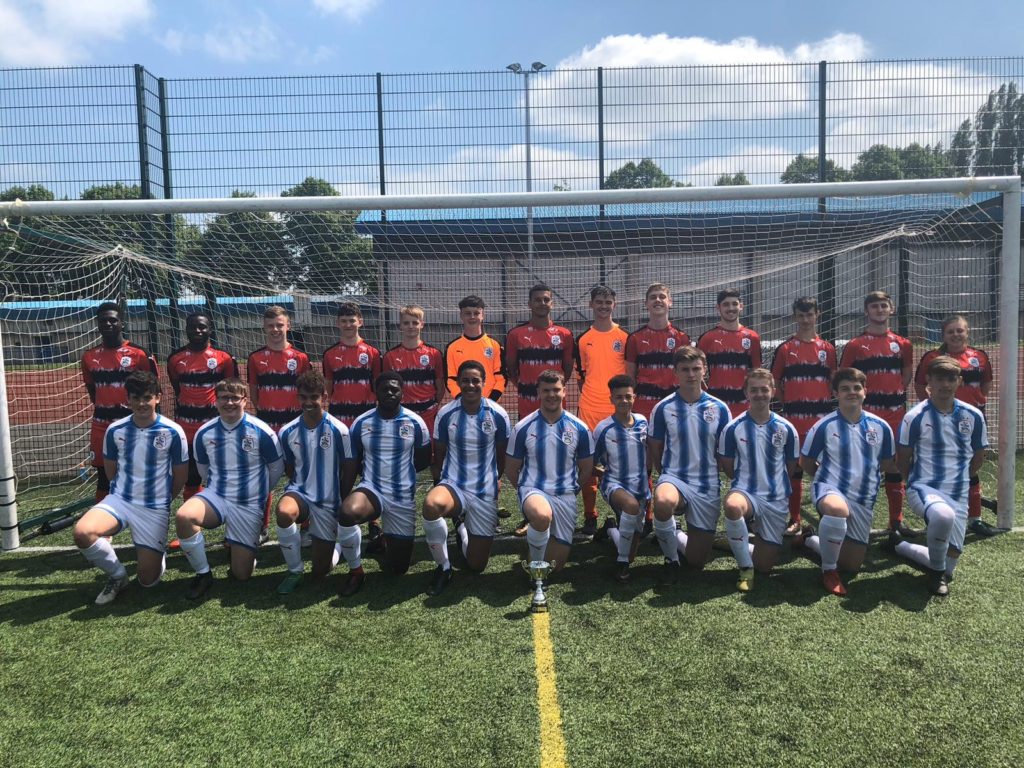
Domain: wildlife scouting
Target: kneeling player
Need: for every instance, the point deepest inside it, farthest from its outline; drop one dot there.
(470, 439)
(621, 446)
(390, 445)
(759, 451)
(845, 451)
(146, 454)
(239, 460)
(316, 450)
(550, 454)
(685, 428)
(942, 446)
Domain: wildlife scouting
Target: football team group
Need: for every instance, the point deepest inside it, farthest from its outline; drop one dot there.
(659, 420)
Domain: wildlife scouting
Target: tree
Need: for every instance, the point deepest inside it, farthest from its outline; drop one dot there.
(643, 175)
(803, 169)
(738, 179)
(927, 162)
(877, 163)
(958, 156)
(992, 144)
(327, 254)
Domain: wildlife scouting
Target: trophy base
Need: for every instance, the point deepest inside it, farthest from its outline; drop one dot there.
(538, 607)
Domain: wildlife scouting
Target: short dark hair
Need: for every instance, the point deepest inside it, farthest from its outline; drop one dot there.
(389, 376)
(275, 310)
(539, 287)
(471, 365)
(806, 304)
(944, 365)
(232, 386)
(551, 376)
(108, 306)
(472, 301)
(874, 296)
(349, 309)
(141, 384)
(195, 315)
(727, 293)
(686, 353)
(601, 290)
(848, 374)
(621, 381)
(311, 381)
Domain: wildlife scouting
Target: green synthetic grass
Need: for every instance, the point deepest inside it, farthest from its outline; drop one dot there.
(695, 674)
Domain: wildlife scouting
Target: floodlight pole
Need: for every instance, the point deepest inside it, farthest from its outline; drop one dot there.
(518, 69)
(8, 490)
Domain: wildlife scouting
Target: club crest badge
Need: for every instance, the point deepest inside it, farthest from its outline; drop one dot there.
(556, 341)
(894, 347)
(965, 427)
(569, 438)
(249, 443)
(424, 360)
(822, 355)
(363, 358)
(779, 438)
(292, 365)
(488, 352)
(871, 436)
(162, 441)
(487, 426)
(325, 441)
(616, 346)
(974, 362)
(745, 343)
(709, 414)
(405, 431)
(670, 343)
(126, 361)
(211, 363)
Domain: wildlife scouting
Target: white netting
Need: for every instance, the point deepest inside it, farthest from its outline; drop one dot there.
(935, 254)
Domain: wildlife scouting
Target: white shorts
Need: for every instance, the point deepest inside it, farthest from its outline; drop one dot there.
(242, 525)
(148, 526)
(607, 489)
(323, 524)
(702, 509)
(921, 497)
(770, 517)
(563, 508)
(481, 512)
(397, 519)
(858, 524)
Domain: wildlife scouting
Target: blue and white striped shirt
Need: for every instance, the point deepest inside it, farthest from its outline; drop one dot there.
(623, 452)
(944, 444)
(239, 463)
(849, 455)
(549, 452)
(690, 432)
(760, 453)
(145, 458)
(317, 455)
(471, 460)
(387, 450)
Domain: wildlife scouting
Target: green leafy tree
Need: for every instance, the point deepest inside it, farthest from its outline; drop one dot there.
(738, 179)
(924, 162)
(961, 150)
(643, 175)
(327, 255)
(803, 169)
(877, 163)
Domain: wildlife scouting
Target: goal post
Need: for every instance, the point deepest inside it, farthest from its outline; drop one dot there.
(939, 246)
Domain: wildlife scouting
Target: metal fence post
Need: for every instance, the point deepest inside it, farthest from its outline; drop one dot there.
(146, 193)
(602, 265)
(827, 266)
(380, 140)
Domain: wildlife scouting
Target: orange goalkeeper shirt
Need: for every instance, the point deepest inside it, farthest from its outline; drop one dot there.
(599, 356)
(485, 351)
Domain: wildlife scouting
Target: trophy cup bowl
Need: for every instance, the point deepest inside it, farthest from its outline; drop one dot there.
(538, 571)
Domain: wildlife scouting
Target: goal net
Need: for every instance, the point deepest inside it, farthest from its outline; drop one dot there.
(938, 247)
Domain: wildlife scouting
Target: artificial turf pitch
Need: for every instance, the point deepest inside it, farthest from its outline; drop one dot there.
(693, 674)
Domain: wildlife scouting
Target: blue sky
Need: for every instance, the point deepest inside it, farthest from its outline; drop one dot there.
(188, 38)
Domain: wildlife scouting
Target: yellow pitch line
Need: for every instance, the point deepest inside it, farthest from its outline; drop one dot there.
(552, 742)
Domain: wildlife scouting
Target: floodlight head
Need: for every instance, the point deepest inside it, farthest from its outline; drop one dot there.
(515, 67)
(537, 66)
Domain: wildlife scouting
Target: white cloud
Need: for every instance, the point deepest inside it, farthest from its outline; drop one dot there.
(234, 42)
(48, 33)
(351, 9)
(173, 40)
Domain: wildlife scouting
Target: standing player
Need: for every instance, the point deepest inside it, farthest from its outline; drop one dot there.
(105, 368)
(316, 452)
(390, 445)
(350, 367)
(272, 372)
(942, 446)
(600, 356)
(194, 371)
(845, 451)
(621, 447)
(758, 451)
(732, 350)
(976, 383)
(887, 360)
(550, 453)
(421, 367)
(470, 439)
(650, 351)
(474, 344)
(239, 459)
(684, 433)
(146, 454)
(803, 367)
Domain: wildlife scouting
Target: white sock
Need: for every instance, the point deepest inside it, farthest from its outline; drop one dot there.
(739, 541)
(831, 533)
(336, 554)
(436, 534)
(194, 548)
(951, 563)
(665, 531)
(463, 536)
(350, 537)
(102, 555)
(628, 527)
(290, 539)
(813, 543)
(537, 542)
(940, 526)
(681, 539)
(915, 553)
(614, 537)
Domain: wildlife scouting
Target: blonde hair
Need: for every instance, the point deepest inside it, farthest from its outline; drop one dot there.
(413, 310)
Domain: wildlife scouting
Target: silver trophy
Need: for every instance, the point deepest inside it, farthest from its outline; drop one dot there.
(538, 570)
